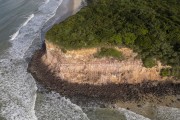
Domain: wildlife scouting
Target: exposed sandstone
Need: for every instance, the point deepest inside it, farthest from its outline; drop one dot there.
(80, 66)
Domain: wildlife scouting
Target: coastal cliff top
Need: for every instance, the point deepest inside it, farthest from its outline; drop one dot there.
(113, 50)
(150, 28)
(100, 66)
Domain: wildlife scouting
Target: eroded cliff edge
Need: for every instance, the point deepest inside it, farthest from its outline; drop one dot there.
(80, 73)
(82, 67)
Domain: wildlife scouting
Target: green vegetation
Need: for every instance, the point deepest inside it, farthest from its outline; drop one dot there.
(149, 27)
(63, 50)
(109, 52)
(166, 72)
(175, 71)
(149, 62)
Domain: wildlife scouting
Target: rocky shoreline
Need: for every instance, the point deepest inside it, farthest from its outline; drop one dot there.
(108, 93)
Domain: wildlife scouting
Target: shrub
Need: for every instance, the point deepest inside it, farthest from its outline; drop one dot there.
(149, 27)
(109, 52)
(63, 50)
(165, 72)
(149, 62)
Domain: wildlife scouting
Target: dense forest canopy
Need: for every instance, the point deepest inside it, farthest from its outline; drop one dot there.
(149, 27)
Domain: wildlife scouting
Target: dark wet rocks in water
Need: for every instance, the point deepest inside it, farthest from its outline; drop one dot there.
(110, 92)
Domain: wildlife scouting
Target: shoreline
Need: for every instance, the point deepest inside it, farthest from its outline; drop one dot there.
(130, 98)
(111, 93)
(20, 91)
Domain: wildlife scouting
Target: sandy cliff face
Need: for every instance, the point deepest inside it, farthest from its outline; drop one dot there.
(80, 66)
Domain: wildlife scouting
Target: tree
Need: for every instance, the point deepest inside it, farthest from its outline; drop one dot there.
(149, 62)
(117, 39)
(129, 38)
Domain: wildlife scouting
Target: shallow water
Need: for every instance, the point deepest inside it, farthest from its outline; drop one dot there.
(104, 114)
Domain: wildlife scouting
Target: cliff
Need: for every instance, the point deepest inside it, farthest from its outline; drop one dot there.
(138, 25)
(80, 73)
(80, 66)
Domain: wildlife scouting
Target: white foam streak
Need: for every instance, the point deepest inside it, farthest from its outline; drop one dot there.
(28, 19)
(31, 30)
(46, 1)
(18, 88)
(12, 37)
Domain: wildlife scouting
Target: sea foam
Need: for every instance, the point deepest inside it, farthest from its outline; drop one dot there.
(28, 19)
(12, 37)
(18, 88)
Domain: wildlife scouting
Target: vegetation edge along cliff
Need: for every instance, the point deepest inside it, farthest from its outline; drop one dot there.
(149, 27)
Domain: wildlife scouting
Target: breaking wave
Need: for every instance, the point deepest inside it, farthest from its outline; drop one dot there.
(12, 37)
(17, 86)
(19, 97)
(28, 19)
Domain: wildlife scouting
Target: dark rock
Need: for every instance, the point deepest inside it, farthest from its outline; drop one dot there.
(139, 105)
(108, 93)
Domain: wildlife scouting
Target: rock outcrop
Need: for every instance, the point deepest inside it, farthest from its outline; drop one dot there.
(80, 66)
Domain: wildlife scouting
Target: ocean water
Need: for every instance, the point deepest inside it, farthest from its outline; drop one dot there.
(18, 88)
(23, 24)
(12, 14)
